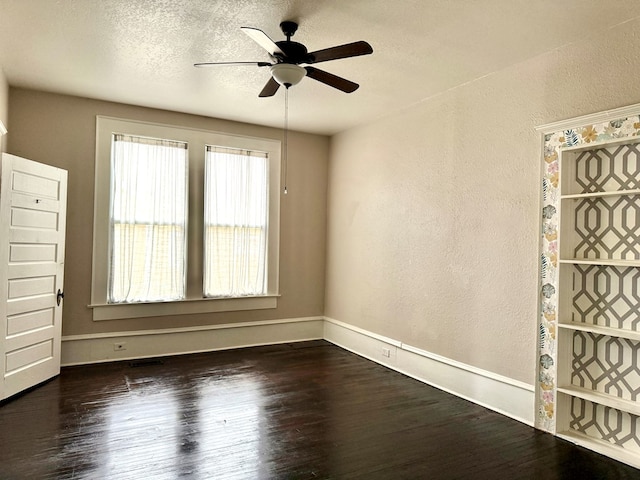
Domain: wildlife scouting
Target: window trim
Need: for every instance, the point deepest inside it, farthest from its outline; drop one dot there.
(194, 302)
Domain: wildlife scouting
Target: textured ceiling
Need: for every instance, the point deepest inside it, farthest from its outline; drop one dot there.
(142, 52)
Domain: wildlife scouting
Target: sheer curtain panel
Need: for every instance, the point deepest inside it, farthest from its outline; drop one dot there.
(236, 222)
(148, 220)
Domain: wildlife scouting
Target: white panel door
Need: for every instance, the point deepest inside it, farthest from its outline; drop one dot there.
(33, 202)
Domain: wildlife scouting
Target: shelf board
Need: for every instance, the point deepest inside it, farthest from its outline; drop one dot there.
(600, 330)
(606, 262)
(628, 406)
(602, 447)
(578, 196)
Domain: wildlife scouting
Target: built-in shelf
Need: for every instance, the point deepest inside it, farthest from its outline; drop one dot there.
(628, 406)
(599, 205)
(600, 330)
(614, 193)
(601, 261)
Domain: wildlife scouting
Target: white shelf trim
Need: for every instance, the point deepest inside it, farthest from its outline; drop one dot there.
(605, 262)
(600, 330)
(628, 406)
(602, 447)
(616, 193)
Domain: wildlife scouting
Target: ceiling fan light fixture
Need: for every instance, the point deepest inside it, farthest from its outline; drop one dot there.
(287, 74)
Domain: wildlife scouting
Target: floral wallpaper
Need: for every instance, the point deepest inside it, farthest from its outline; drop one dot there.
(547, 342)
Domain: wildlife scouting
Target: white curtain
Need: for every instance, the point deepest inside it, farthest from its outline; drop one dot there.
(148, 220)
(236, 214)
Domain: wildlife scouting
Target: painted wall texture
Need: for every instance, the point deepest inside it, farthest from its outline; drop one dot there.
(60, 130)
(4, 107)
(430, 217)
(434, 212)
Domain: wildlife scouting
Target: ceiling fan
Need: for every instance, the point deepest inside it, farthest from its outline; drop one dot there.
(288, 56)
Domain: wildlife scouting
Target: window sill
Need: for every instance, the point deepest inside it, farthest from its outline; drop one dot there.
(115, 311)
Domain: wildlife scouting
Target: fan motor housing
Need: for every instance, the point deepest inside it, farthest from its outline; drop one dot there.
(295, 52)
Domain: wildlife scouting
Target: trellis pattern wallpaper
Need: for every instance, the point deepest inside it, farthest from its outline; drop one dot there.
(553, 142)
(602, 170)
(604, 423)
(606, 365)
(605, 296)
(606, 227)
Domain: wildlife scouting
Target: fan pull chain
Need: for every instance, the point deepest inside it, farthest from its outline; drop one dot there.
(286, 136)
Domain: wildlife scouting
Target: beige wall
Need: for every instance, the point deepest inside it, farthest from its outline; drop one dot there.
(60, 130)
(434, 212)
(4, 107)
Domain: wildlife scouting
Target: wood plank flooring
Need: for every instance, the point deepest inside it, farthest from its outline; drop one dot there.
(297, 411)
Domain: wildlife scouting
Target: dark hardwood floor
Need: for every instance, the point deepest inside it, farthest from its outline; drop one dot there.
(296, 411)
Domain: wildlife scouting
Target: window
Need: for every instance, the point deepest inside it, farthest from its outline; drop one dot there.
(148, 219)
(235, 219)
(185, 221)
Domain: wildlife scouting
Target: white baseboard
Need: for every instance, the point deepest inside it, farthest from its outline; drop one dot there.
(85, 349)
(502, 394)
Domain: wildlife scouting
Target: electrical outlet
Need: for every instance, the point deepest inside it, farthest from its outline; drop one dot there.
(386, 352)
(119, 346)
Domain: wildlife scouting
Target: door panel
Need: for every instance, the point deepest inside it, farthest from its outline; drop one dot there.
(30, 218)
(33, 214)
(26, 287)
(29, 182)
(29, 355)
(17, 324)
(32, 253)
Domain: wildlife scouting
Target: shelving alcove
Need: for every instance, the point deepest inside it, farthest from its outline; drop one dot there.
(598, 302)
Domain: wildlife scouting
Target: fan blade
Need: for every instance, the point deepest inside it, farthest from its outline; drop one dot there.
(270, 88)
(237, 64)
(331, 80)
(354, 49)
(263, 40)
